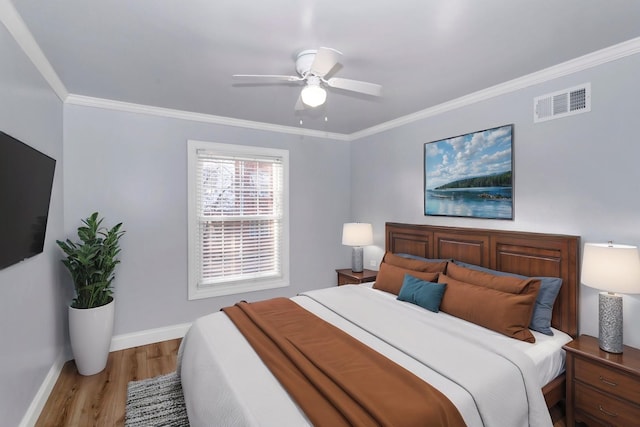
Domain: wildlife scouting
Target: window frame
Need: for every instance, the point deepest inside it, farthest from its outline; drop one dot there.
(235, 287)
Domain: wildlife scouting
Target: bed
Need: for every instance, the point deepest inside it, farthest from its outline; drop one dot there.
(226, 383)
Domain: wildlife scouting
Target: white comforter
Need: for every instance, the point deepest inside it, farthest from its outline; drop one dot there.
(226, 384)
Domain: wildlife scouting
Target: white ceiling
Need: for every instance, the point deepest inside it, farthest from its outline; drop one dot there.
(181, 54)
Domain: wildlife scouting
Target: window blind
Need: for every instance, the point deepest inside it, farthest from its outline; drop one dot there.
(239, 200)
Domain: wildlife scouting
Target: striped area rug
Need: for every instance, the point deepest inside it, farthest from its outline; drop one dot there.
(156, 402)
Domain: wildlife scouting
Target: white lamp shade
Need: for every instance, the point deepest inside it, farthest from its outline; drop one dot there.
(313, 95)
(612, 268)
(357, 234)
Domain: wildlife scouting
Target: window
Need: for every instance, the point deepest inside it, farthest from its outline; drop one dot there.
(238, 219)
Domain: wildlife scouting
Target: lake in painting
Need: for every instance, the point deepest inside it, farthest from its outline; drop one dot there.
(479, 202)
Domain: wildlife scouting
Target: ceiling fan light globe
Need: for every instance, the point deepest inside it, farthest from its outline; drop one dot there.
(313, 96)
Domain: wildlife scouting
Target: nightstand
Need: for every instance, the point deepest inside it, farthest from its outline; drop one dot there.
(348, 277)
(602, 388)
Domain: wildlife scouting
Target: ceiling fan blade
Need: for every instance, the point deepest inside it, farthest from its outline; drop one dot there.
(326, 58)
(299, 104)
(267, 77)
(355, 86)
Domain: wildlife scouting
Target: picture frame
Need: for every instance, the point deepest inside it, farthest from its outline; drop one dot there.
(470, 175)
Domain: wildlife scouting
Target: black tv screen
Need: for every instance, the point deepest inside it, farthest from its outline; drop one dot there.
(26, 180)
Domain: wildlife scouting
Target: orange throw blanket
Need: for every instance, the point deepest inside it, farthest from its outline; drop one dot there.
(334, 378)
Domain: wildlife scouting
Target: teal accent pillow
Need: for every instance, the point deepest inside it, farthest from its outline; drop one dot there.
(425, 294)
(543, 310)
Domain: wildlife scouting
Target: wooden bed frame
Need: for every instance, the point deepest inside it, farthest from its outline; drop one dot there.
(525, 253)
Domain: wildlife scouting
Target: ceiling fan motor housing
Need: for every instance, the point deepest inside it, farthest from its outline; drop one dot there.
(304, 61)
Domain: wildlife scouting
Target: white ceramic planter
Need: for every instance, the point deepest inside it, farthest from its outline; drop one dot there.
(90, 331)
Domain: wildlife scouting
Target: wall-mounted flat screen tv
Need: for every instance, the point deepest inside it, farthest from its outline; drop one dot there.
(26, 181)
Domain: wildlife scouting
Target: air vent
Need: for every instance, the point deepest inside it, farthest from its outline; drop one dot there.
(563, 103)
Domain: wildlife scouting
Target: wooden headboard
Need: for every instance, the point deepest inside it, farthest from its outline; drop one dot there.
(528, 254)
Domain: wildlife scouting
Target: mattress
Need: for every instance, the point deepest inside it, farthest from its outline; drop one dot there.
(546, 353)
(492, 379)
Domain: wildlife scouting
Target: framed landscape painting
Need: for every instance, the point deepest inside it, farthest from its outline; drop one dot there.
(470, 175)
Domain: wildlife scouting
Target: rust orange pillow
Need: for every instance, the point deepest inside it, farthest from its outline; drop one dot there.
(513, 285)
(391, 277)
(503, 312)
(414, 264)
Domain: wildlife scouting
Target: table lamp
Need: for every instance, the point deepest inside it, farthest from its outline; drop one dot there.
(357, 235)
(611, 268)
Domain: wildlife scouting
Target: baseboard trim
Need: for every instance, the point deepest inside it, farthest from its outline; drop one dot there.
(118, 342)
(149, 336)
(40, 399)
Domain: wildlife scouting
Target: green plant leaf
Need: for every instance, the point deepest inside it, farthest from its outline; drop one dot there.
(92, 261)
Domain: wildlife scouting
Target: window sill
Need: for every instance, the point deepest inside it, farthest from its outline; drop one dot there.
(234, 288)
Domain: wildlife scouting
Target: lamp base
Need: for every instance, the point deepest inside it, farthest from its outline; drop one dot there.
(356, 259)
(610, 320)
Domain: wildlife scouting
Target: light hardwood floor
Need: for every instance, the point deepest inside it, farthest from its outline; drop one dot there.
(100, 400)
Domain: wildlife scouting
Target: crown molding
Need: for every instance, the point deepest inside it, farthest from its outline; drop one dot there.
(109, 104)
(16, 26)
(18, 29)
(590, 60)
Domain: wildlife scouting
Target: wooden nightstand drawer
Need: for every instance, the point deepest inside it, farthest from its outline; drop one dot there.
(603, 389)
(348, 277)
(608, 380)
(605, 407)
(344, 280)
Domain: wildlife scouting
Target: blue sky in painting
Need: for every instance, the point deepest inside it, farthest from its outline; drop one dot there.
(475, 154)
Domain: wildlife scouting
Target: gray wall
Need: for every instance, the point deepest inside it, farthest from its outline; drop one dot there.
(575, 175)
(32, 307)
(133, 168)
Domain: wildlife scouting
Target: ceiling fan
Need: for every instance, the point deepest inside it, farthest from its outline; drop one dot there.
(312, 67)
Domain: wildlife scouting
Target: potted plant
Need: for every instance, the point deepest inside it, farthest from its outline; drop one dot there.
(92, 262)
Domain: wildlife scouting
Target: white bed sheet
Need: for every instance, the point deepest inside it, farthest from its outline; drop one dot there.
(226, 383)
(546, 353)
